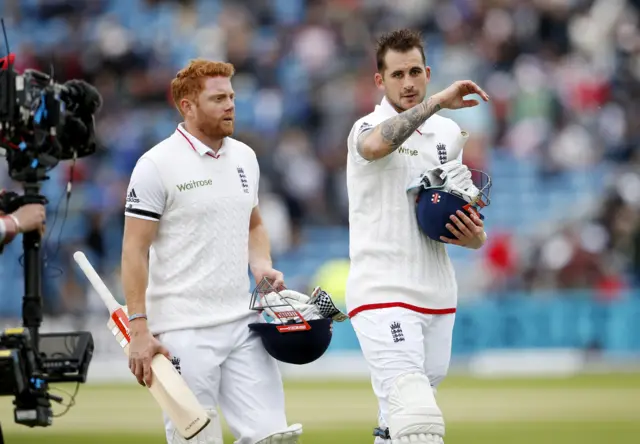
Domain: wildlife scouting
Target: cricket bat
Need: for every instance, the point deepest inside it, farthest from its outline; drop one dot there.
(168, 388)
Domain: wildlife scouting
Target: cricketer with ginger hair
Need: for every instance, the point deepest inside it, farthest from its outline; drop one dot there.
(192, 228)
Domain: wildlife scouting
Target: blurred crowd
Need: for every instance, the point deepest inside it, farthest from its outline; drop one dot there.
(599, 252)
(564, 77)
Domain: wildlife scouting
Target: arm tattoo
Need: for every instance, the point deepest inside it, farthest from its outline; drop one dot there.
(396, 130)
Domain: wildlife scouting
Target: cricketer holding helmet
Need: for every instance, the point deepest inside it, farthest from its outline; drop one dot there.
(192, 228)
(401, 290)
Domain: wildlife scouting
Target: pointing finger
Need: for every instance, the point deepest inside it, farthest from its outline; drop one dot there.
(474, 88)
(482, 94)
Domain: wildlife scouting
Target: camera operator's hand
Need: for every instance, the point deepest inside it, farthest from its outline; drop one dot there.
(30, 217)
(142, 348)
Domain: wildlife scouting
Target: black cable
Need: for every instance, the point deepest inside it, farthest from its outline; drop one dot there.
(72, 400)
(67, 197)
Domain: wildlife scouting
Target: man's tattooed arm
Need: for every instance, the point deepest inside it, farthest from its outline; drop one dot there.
(387, 137)
(396, 130)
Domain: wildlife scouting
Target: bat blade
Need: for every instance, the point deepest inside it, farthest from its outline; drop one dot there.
(178, 401)
(168, 388)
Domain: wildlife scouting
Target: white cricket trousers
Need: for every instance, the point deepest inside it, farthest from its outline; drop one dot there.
(396, 341)
(227, 366)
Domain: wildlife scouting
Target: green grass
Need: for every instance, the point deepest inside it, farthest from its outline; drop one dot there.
(516, 433)
(578, 410)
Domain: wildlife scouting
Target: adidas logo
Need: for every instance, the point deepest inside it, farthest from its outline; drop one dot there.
(132, 197)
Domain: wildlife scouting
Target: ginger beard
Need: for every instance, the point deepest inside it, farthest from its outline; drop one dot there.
(213, 125)
(214, 110)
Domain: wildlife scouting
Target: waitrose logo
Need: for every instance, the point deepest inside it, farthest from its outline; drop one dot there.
(194, 184)
(407, 151)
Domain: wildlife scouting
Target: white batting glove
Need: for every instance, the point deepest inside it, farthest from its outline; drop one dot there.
(453, 174)
(285, 300)
(457, 174)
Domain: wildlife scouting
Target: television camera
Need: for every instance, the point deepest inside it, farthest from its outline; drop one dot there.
(41, 123)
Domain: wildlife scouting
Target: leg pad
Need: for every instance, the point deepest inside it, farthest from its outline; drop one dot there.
(414, 416)
(288, 436)
(211, 434)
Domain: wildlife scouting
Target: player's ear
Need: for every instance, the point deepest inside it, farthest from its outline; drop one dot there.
(186, 107)
(427, 70)
(379, 81)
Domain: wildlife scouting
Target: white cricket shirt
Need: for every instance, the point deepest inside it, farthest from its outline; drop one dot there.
(198, 264)
(392, 263)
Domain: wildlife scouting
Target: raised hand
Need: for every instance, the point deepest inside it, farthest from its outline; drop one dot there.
(453, 97)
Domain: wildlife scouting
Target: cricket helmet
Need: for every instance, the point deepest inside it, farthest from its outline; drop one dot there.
(297, 328)
(436, 204)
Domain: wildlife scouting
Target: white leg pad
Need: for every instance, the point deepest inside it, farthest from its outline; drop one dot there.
(414, 416)
(288, 436)
(211, 434)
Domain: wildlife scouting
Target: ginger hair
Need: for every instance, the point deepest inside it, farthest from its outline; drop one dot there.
(189, 81)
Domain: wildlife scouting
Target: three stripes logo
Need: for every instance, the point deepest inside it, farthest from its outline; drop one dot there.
(132, 197)
(365, 126)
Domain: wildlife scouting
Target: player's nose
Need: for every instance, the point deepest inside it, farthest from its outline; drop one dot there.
(408, 86)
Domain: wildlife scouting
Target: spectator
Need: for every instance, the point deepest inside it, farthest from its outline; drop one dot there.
(565, 89)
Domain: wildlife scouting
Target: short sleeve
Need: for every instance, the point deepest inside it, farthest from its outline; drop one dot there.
(358, 129)
(146, 195)
(463, 137)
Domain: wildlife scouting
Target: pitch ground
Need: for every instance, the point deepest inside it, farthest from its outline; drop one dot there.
(580, 410)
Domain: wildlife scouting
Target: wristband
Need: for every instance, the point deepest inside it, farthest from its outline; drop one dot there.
(17, 222)
(133, 317)
(8, 229)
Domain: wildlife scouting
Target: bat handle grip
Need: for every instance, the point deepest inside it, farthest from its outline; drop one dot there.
(96, 282)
